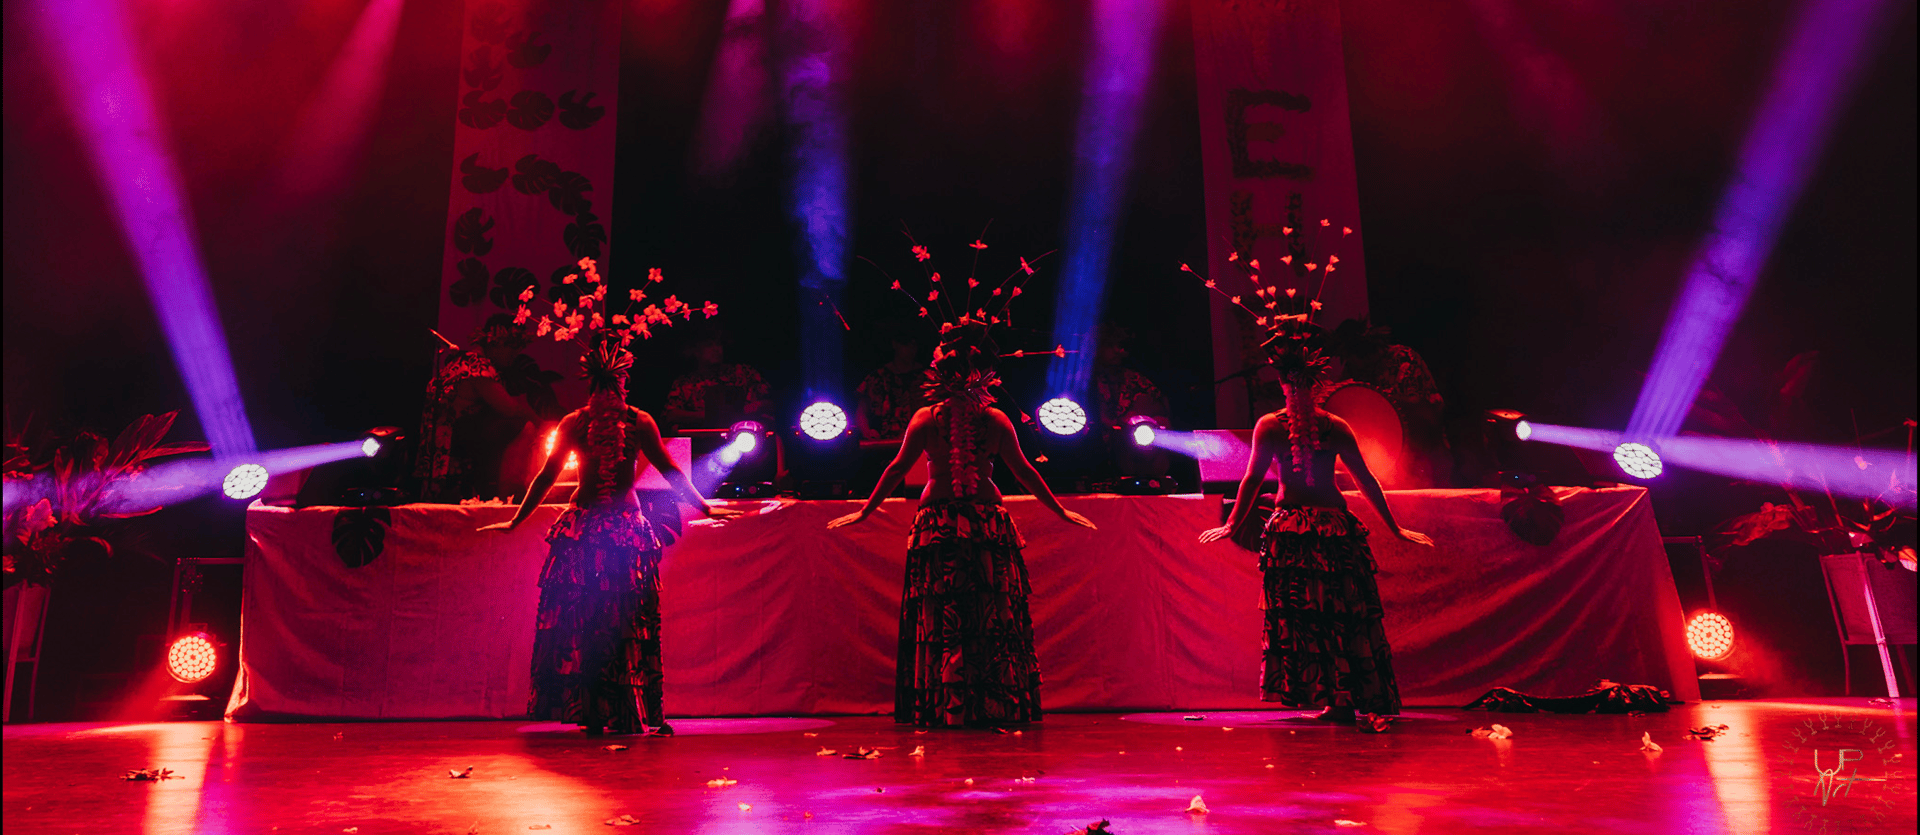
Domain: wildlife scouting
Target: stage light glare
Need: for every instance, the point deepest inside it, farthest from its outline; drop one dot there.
(745, 437)
(1523, 430)
(823, 421)
(370, 447)
(1143, 434)
(1062, 416)
(1710, 636)
(244, 482)
(1637, 460)
(192, 658)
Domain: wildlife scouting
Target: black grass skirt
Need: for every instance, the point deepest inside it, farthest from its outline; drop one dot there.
(596, 640)
(1325, 643)
(966, 637)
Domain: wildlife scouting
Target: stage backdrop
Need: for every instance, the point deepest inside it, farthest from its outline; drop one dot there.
(1277, 155)
(533, 180)
(775, 614)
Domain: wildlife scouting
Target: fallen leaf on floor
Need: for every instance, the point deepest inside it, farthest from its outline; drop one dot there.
(541, 826)
(460, 775)
(613, 747)
(1226, 729)
(969, 781)
(746, 807)
(809, 734)
(1375, 723)
(1095, 828)
(1648, 745)
(1198, 717)
(825, 752)
(1708, 733)
(1881, 702)
(350, 830)
(1269, 765)
(862, 753)
(918, 751)
(1345, 822)
(340, 735)
(624, 820)
(149, 775)
(722, 782)
(1494, 732)
(1198, 806)
(1024, 780)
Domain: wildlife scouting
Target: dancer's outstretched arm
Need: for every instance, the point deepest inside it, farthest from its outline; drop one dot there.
(1344, 443)
(1267, 437)
(656, 454)
(549, 472)
(1023, 471)
(914, 443)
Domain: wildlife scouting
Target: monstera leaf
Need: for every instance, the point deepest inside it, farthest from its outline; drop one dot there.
(480, 115)
(360, 534)
(569, 293)
(531, 109)
(507, 285)
(525, 50)
(584, 236)
(478, 178)
(569, 193)
(472, 283)
(534, 175)
(482, 73)
(578, 114)
(525, 378)
(470, 232)
(488, 22)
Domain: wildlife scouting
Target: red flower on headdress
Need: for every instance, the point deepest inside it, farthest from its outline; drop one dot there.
(1254, 264)
(586, 302)
(559, 308)
(933, 295)
(1316, 304)
(1325, 222)
(598, 322)
(920, 253)
(1290, 292)
(1060, 351)
(996, 291)
(619, 318)
(1333, 259)
(1311, 266)
(977, 244)
(1210, 284)
(636, 296)
(710, 309)
(654, 275)
(1286, 259)
(1025, 266)
(569, 279)
(1286, 230)
(526, 295)
(1345, 231)
(923, 313)
(896, 285)
(545, 326)
(1233, 256)
(972, 282)
(641, 328)
(1234, 299)
(520, 317)
(672, 304)
(575, 321)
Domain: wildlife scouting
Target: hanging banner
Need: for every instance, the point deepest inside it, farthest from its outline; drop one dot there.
(1277, 154)
(533, 173)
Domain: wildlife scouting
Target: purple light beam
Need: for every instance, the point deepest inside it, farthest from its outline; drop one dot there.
(1854, 473)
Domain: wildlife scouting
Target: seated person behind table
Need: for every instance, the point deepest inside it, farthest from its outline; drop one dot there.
(892, 393)
(1365, 354)
(715, 394)
(1122, 392)
(470, 419)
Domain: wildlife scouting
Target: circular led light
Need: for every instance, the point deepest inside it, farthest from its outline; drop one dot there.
(1143, 434)
(1710, 636)
(192, 658)
(370, 447)
(1523, 430)
(244, 481)
(1637, 460)
(823, 421)
(1062, 416)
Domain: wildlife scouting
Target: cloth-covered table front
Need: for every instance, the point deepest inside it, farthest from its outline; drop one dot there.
(772, 613)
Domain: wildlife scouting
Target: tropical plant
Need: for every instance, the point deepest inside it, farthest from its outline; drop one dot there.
(65, 495)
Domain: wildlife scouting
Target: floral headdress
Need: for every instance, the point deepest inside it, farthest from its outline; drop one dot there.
(1294, 344)
(967, 317)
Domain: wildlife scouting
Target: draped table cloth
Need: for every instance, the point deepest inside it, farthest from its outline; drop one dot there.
(773, 614)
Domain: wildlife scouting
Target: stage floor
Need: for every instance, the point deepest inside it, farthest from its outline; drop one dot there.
(1259, 772)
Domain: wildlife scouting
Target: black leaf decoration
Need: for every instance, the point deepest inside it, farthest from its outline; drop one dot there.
(360, 534)
(1534, 520)
(507, 285)
(478, 178)
(482, 74)
(531, 109)
(568, 193)
(577, 114)
(569, 293)
(535, 174)
(472, 283)
(664, 514)
(584, 236)
(470, 232)
(525, 377)
(481, 115)
(488, 22)
(525, 50)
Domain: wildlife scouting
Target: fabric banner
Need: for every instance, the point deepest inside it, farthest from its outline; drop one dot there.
(533, 172)
(1277, 157)
(774, 614)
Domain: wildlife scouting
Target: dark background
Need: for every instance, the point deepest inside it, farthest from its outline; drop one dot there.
(1529, 254)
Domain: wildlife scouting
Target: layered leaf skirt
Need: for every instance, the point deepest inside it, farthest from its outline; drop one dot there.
(966, 638)
(596, 642)
(1324, 644)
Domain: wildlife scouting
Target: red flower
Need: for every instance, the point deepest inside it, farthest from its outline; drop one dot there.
(1325, 222)
(920, 253)
(923, 313)
(654, 275)
(1286, 259)
(636, 295)
(1286, 230)
(977, 245)
(710, 309)
(972, 283)
(933, 295)
(1345, 231)
(1025, 266)
(896, 284)
(526, 295)
(569, 279)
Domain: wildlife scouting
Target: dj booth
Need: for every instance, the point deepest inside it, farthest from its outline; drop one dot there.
(772, 613)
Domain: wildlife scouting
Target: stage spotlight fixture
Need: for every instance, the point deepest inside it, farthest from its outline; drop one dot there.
(370, 447)
(744, 437)
(1710, 636)
(1637, 460)
(244, 481)
(192, 658)
(1143, 434)
(1523, 430)
(380, 438)
(1062, 416)
(823, 421)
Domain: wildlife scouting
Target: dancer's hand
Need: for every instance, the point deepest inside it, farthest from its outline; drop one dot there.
(850, 519)
(722, 514)
(1414, 537)
(1077, 519)
(1216, 534)
(502, 527)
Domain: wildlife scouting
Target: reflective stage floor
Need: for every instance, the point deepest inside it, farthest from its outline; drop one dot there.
(1257, 772)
